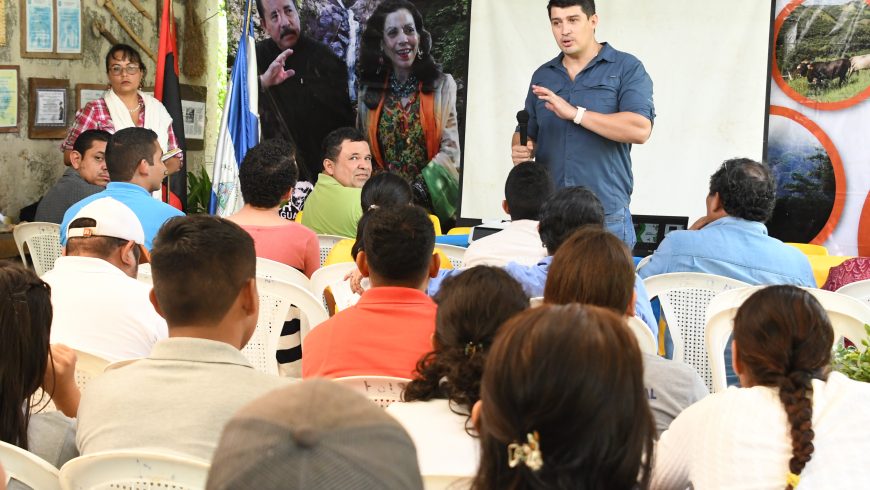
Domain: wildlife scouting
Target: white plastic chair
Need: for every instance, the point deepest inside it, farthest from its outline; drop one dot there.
(270, 269)
(536, 301)
(645, 338)
(43, 241)
(446, 482)
(134, 470)
(455, 253)
(382, 390)
(88, 366)
(684, 297)
(27, 468)
(144, 274)
(326, 244)
(848, 316)
(330, 274)
(859, 290)
(643, 262)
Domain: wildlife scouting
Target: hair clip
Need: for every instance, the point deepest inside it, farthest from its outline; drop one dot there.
(528, 453)
(793, 479)
(471, 348)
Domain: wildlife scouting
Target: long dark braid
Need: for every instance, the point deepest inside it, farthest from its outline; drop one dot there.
(784, 339)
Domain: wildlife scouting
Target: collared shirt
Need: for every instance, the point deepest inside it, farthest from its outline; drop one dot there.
(611, 82)
(518, 242)
(151, 212)
(533, 279)
(332, 209)
(384, 334)
(100, 310)
(95, 115)
(178, 399)
(735, 248)
(70, 189)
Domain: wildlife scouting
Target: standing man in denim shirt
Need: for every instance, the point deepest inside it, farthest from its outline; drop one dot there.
(586, 107)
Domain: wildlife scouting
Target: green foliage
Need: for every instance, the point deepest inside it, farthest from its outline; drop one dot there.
(851, 362)
(823, 32)
(198, 192)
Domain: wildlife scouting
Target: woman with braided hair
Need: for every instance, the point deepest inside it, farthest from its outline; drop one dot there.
(791, 422)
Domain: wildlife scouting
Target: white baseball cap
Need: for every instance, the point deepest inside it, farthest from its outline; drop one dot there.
(113, 219)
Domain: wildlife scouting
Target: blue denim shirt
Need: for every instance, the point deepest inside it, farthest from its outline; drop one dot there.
(732, 247)
(534, 277)
(151, 212)
(612, 82)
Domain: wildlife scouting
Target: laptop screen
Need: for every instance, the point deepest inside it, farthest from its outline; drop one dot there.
(650, 230)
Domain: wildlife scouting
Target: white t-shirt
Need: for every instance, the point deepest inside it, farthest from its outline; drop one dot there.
(518, 242)
(443, 445)
(100, 310)
(740, 439)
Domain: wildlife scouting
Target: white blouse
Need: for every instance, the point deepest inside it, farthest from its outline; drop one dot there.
(740, 439)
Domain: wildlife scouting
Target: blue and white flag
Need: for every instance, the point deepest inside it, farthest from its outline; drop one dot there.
(240, 126)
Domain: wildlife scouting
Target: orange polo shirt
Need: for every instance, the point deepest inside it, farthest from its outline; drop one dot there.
(384, 334)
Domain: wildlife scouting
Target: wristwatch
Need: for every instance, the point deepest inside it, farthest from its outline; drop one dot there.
(579, 116)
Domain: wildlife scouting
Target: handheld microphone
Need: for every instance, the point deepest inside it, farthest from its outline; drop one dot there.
(523, 122)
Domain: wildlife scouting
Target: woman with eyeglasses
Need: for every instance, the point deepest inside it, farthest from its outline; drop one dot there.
(124, 105)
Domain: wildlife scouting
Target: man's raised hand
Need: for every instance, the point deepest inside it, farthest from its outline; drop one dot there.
(276, 73)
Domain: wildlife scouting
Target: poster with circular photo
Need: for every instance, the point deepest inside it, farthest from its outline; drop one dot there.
(822, 52)
(810, 181)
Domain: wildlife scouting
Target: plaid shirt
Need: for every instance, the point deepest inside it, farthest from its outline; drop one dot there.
(95, 115)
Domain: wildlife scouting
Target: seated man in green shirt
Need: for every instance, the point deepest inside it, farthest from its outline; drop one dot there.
(333, 208)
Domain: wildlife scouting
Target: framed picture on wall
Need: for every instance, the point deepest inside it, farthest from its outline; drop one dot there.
(8, 99)
(193, 111)
(51, 29)
(49, 105)
(86, 92)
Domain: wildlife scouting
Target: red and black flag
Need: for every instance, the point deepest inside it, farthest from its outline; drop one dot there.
(167, 90)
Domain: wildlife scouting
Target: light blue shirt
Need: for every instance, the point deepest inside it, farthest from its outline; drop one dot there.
(735, 248)
(534, 277)
(151, 212)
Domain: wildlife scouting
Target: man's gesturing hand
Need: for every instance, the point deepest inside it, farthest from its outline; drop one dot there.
(276, 73)
(554, 103)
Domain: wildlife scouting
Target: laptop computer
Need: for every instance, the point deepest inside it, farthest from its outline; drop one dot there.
(651, 230)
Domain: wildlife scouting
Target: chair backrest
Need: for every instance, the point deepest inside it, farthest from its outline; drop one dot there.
(446, 482)
(809, 248)
(270, 269)
(382, 390)
(139, 470)
(848, 316)
(643, 262)
(88, 366)
(326, 244)
(330, 274)
(43, 241)
(645, 338)
(536, 301)
(684, 297)
(859, 290)
(455, 254)
(144, 274)
(27, 468)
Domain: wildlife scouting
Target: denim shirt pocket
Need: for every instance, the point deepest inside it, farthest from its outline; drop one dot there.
(598, 94)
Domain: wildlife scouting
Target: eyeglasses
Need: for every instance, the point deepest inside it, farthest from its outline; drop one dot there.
(130, 69)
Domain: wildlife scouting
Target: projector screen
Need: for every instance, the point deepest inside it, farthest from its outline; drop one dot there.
(709, 66)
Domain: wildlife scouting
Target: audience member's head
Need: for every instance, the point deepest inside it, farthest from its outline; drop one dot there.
(313, 435)
(268, 173)
(204, 277)
(742, 188)
(588, 6)
(528, 186)
(563, 404)
(471, 308)
(592, 267)
(133, 155)
(25, 324)
(124, 52)
(382, 190)
(347, 157)
(398, 246)
(782, 339)
(88, 156)
(107, 229)
(564, 212)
